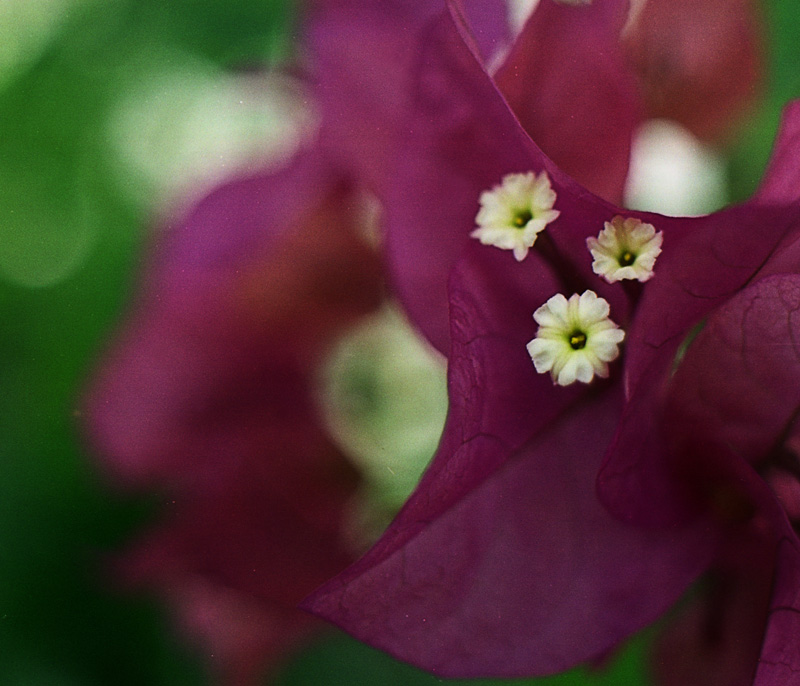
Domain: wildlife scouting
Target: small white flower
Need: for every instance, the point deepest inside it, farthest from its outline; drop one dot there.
(576, 339)
(625, 249)
(515, 211)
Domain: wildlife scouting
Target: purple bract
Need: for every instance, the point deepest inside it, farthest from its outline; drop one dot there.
(554, 522)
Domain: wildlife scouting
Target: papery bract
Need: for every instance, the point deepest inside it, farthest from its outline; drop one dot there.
(489, 569)
(698, 62)
(208, 396)
(361, 53)
(567, 81)
(421, 241)
(571, 80)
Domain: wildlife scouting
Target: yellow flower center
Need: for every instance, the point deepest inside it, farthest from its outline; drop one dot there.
(577, 340)
(522, 218)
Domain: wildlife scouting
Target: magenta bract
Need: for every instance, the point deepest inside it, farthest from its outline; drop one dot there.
(207, 396)
(554, 522)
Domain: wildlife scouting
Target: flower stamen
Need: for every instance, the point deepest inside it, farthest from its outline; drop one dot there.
(578, 340)
(523, 218)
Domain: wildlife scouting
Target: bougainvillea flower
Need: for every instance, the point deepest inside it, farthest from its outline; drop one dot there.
(555, 521)
(565, 91)
(362, 51)
(207, 395)
(574, 78)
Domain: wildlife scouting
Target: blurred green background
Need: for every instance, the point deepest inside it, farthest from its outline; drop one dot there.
(94, 133)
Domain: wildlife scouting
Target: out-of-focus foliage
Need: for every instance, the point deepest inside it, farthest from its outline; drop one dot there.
(342, 660)
(70, 236)
(750, 149)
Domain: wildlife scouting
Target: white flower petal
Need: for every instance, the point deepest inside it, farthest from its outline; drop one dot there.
(625, 249)
(518, 198)
(576, 339)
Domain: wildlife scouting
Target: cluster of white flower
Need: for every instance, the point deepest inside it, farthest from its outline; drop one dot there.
(576, 338)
